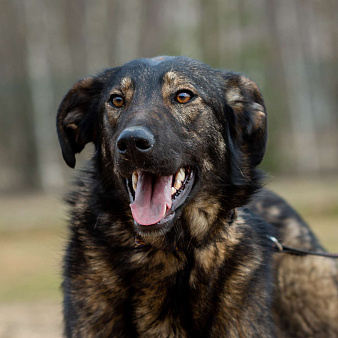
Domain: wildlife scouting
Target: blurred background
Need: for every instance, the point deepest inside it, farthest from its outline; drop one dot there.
(289, 47)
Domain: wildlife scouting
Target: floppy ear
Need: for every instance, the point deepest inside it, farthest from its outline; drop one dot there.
(77, 118)
(248, 122)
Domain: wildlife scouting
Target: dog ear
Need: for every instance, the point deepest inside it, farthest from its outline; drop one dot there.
(77, 118)
(248, 122)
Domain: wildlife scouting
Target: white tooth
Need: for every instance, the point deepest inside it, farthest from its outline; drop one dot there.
(173, 191)
(177, 185)
(134, 180)
(180, 175)
(165, 210)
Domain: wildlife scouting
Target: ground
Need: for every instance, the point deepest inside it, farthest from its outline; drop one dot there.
(33, 233)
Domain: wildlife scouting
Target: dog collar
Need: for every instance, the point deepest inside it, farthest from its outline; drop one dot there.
(232, 216)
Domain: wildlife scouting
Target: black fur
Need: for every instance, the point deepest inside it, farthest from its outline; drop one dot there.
(197, 274)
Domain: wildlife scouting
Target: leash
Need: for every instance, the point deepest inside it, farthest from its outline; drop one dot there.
(292, 251)
(232, 216)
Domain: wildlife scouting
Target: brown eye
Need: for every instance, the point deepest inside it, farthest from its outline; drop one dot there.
(116, 101)
(184, 96)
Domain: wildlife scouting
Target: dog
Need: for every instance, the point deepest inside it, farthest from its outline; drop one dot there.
(169, 224)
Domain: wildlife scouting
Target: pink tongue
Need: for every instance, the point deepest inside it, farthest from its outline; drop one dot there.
(152, 198)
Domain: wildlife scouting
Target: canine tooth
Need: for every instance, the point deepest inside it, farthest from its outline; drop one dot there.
(165, 211)
(177, 185)
(180, 175)
(134, 180)
(173, 191)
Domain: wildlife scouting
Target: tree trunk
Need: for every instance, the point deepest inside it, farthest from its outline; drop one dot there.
(40, 79)
(95, 35)
(293, 64)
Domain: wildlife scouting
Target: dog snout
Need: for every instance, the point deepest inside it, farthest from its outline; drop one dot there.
(135, 142)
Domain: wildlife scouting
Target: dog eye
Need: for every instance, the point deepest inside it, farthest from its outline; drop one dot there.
(184, 96)
(116, 101)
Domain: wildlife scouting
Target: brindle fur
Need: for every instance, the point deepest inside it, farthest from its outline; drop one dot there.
(203, 276)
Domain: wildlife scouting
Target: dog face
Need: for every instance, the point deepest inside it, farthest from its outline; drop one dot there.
(177, 142)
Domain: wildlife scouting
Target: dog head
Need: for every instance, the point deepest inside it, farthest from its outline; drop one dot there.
(178, 140)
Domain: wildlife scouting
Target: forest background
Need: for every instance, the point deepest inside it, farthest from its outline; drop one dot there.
(289, 47)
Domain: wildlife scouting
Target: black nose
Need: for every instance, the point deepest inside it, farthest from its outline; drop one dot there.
(135, 141)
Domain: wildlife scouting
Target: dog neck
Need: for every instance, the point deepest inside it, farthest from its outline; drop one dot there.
(230, 219)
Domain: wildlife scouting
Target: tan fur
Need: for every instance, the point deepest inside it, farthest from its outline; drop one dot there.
(172, 83)
(201, 213)
(126, 89)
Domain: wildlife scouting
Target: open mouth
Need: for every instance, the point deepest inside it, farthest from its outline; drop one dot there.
(154, 199)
